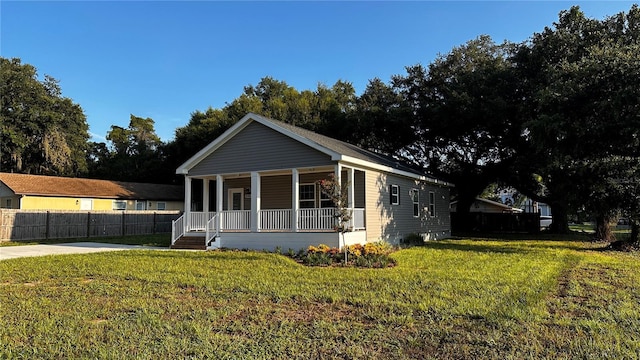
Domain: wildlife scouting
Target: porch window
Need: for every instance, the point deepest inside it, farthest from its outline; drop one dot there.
(432, 204)
(119, 205)
(8, 204)
(394, 191)
(307, 196)
(161, 205)
(325, 201)
(415, 198)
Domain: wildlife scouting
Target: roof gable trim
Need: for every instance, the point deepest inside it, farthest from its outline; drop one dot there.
(239, 126)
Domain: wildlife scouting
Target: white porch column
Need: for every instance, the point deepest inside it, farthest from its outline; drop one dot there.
(187, 203)
(339, 175)
(295, 199)
(255, 201)
(205, 196)
(219, 195)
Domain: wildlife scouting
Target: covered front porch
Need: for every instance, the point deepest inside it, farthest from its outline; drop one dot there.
(268, 209)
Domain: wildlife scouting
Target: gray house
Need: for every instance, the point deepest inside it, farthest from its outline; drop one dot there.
(257, 188)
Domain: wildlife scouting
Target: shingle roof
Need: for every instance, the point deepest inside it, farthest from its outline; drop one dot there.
(23, 184)
(345, 148)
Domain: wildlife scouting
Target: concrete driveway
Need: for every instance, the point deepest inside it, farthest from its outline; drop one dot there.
(12, 252)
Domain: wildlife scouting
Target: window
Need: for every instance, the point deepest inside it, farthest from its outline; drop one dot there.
(141, 205)
(307, 196)
(8, 204)
(394, 191)
(415, 198)
(161, 205)
(119, 205)
(325, 201)
(432, 203)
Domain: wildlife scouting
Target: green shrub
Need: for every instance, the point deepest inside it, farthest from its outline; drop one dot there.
(412, 240)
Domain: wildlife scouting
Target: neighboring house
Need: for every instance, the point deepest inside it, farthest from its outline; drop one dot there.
(487, 206)
(528, 205)
(38, 192)
(259, 190)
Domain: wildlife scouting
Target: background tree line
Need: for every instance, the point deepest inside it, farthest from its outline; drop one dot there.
(556, 117)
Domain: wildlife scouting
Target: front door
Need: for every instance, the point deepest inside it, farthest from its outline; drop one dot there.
(236, 201)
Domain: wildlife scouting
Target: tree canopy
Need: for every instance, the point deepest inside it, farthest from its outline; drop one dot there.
(42, 132)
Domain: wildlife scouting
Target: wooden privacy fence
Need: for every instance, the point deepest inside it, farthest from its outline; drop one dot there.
(16, 225)
(495, 222)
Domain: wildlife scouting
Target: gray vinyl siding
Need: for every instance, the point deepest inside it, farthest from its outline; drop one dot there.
(393, 222)
(258, 148)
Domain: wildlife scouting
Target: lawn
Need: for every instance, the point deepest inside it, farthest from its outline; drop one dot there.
(448, 299)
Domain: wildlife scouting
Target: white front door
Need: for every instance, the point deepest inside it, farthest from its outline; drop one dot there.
(86, 204)
(236, 201)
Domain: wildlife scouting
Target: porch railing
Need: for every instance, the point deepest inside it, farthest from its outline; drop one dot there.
(212, 231)
(177, 229)
(236, 220)
(279, 219)
(315, 219)
(198, 219)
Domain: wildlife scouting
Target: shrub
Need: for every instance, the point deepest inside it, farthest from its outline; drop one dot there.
(413, 239)
(371, 255)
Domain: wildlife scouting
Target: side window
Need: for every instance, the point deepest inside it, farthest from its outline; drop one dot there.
(415, 198)
(432, 204)
(394, 192)
(161, 205)
(119, 205)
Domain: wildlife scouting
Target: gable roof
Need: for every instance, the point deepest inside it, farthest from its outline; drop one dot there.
(336, 149)
(40, 185)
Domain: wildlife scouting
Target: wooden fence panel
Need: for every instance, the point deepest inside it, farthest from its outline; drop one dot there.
(23, 226)
(67, 225)
(16, 225)
(105, 224)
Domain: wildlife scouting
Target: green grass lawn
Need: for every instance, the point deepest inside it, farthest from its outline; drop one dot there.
(448, 299)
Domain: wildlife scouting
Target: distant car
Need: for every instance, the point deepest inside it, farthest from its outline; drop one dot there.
(545, 221)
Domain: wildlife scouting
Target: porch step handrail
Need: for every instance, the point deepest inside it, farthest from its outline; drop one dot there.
(177, 229)
(212, 231)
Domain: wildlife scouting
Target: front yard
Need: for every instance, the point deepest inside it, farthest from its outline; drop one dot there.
(448, 299)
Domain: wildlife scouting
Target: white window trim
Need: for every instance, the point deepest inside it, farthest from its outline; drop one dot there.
(432, 204)
(395, 194)
(415, 199)
(301, 200)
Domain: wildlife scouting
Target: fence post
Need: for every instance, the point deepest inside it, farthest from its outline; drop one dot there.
(88, 223)
(123, 217)
(154, 222)
(46, 229)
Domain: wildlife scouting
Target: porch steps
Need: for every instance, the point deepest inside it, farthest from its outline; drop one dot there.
(190, 243)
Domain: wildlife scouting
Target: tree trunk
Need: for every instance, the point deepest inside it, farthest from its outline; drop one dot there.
(560, 218)
(603, 228)
(635, 230)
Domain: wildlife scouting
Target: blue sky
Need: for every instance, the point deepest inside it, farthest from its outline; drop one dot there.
(164, 59)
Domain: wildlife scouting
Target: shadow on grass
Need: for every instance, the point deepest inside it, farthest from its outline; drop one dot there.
(156, 240)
